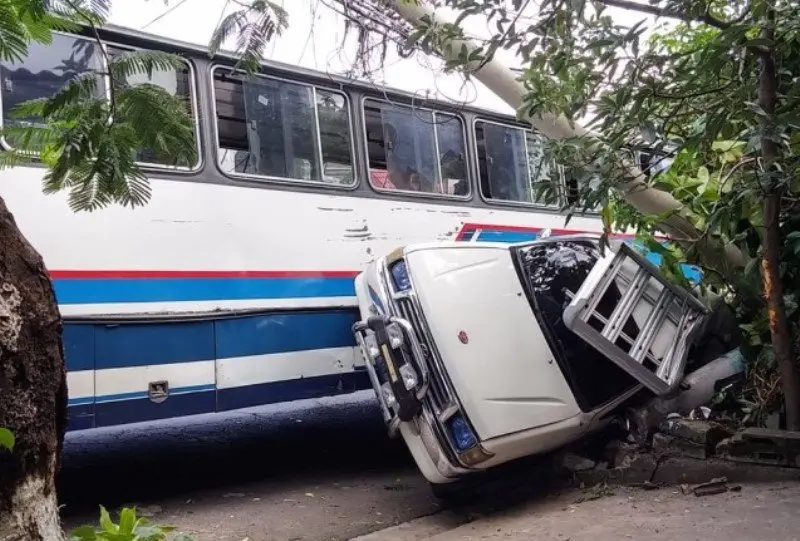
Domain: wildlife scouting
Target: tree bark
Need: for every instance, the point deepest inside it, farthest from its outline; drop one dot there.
(33, 390)
(770, 262)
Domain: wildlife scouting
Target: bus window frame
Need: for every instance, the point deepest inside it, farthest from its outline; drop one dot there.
(411, 193)
(554, 208)
(193, 94)
(268, 179)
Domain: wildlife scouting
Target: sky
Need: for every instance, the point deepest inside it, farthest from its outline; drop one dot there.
(313, 40)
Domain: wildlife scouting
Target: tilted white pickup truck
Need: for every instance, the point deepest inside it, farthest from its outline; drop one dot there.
(482, 353)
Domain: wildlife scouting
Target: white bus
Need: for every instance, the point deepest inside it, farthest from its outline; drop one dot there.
(234, 286)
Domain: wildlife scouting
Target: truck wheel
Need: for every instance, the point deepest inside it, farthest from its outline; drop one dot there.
(450, 494)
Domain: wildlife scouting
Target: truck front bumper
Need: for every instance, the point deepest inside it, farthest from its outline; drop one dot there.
(416, 398)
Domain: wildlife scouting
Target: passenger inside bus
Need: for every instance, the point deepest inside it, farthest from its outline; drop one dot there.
(403, 144)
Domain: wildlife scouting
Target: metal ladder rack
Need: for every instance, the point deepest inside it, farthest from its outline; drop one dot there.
(662, 319)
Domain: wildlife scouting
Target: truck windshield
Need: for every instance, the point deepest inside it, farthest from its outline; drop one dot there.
(550, 273)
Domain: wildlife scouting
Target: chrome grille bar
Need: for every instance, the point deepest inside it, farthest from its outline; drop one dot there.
(437, 392)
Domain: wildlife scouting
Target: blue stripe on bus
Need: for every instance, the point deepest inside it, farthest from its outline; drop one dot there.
(126, 345)
(293, 389)
(282, 333)
(139, 395)
(179, 404)
(78, 347)
(98, 347)
(124, 290)
(142, 409)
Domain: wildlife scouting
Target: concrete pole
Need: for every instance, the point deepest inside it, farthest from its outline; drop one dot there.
(647, 200)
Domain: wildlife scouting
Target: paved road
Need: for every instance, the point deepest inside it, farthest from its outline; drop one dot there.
(767, 512)
(314, 470)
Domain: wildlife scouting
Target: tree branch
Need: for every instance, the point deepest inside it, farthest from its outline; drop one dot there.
(88, 20)
(665, 12)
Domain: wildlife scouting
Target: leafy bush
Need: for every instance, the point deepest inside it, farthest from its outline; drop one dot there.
(130, 528)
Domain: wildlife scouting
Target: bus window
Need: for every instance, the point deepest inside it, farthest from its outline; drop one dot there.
(46, 70)
(513, 167)
(282, 130)
(415, 150)
(176, 82)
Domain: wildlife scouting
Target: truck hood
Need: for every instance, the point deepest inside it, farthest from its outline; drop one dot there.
(490, 343)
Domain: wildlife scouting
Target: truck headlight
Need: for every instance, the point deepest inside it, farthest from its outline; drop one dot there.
(409, 377)
(462, 434)
(400, 276)
(395, 335)
(372, 346)
(388, 395)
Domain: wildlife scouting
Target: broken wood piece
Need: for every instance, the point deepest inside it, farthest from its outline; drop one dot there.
(715, 486)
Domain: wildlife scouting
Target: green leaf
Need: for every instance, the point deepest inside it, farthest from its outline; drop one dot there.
(127, 520)
(759, 42)
(7, 440)
(106, 523)
(703, 175)
(83, 533)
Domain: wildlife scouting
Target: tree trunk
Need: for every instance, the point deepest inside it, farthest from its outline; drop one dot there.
(770, 263)
(33, 390)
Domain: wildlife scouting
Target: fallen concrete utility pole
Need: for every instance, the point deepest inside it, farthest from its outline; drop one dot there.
(699, 387)
(647, 200)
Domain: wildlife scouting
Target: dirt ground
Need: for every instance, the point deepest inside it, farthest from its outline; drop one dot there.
(765, 512)
(325, 470)
(316, 470)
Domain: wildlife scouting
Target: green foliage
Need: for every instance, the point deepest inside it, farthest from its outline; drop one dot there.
(129, 528)
(686, 88)
(6, 439)
(253, 26)
(88, 141)
(23, 21)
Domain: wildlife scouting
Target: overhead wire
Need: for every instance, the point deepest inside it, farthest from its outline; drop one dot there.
(165, 13)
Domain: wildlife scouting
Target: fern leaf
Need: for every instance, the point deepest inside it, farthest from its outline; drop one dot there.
(254, 26)
(127, 64)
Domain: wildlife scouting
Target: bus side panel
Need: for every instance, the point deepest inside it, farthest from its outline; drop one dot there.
(78, 342)
(281, 357)
(147, 371)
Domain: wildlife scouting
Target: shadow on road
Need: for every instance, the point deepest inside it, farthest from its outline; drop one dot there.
(321, 438)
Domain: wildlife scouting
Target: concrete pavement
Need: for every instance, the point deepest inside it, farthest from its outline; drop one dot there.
(766, 512)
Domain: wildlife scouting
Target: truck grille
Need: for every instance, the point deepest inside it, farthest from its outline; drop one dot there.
(441, 397)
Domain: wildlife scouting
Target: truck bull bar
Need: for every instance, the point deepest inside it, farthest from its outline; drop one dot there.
(390, 352)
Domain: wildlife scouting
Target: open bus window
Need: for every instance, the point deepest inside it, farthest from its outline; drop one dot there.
(513, 166)
(176, 82)
(415, 150)
(46, 70)
(277, 129)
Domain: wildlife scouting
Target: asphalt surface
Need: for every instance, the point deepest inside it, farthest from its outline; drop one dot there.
(313, 470)
(319, 469)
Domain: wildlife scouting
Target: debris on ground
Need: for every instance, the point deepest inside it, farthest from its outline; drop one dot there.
(600, 490)
(762, 446)
(715, 486)
(576, 463)
(683, 450)
(696, 438)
